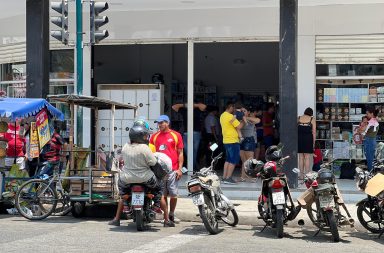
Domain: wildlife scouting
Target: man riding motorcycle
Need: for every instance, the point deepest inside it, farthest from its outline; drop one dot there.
(138, 160)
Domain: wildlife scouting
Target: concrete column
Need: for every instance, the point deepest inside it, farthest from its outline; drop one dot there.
(37, 26)
(288, 85)
(190, 105)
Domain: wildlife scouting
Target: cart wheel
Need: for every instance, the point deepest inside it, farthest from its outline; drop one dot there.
(78, 209)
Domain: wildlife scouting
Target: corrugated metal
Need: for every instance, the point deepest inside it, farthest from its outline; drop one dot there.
(350, 49)
(17, 52)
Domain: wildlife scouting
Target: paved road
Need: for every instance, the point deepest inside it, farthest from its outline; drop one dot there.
(66, 234)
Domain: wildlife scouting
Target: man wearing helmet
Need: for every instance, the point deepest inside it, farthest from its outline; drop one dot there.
(138, 160)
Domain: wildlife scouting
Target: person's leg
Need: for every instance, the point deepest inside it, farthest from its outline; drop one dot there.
(301, 166)
(370, 152)
(173, 192)
(233, 159)
(196, 144)
(226, 164)
(307, 163)
(243, 159)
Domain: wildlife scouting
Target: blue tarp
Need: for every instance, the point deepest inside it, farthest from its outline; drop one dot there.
(18, 108)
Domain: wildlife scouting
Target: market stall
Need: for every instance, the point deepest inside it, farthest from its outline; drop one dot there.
(14, 112)
(92, 184)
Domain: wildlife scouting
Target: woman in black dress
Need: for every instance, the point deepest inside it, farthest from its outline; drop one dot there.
(306, 140)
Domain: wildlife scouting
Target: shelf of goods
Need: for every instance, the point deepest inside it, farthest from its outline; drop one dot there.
(339, 111)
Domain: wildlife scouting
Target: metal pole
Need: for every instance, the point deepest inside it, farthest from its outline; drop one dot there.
(71, 134)
(96, 131)
(288, 85)
(112, 129)
(79, 67)
(190, 106)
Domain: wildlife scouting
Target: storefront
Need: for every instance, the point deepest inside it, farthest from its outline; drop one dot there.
(182, 43)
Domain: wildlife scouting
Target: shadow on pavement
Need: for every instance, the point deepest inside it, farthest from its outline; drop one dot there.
(197, 230)
(132, 228)
(367, 236)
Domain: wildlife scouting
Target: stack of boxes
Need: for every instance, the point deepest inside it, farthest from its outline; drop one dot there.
(344, 95)
(341, 150)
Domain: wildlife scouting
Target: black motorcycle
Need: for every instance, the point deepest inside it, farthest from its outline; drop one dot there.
(370, 211)
(140, 206)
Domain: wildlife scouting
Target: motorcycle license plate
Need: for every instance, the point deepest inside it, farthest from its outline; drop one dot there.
(326, 201)
(278, 198)
(198, 199)
(138, 199)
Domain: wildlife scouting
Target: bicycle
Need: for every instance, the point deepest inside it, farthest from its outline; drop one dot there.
(38, 198)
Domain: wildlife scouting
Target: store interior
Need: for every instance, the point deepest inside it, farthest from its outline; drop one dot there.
(223, 71)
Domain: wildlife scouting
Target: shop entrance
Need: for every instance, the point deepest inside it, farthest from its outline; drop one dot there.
(246, 72)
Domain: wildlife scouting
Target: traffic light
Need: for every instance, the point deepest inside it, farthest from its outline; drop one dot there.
(98, 21)
(60, 21)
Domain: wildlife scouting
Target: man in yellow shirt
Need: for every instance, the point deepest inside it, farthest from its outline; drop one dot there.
(231, 139)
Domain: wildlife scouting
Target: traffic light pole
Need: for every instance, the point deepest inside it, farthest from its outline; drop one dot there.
(79, 67)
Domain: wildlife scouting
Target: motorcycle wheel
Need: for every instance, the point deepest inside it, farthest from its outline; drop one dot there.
(231, 222)
(312, 214)
(280, 222)
(78, 209)
(365, 217)
(332, 225)
(139, 220)
(207, 214)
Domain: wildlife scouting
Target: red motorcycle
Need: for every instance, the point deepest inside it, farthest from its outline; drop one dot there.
(275, 204)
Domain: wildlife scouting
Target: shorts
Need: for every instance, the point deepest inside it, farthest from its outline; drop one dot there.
(232, 152)
(170, 185)
(248, 144)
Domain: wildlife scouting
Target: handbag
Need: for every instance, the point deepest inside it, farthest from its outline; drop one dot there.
(159, 171)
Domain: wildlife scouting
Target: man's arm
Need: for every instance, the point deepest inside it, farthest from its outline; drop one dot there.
(179, 173)
(200, 106)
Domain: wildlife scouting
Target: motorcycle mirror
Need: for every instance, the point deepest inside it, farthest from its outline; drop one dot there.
(213, 147)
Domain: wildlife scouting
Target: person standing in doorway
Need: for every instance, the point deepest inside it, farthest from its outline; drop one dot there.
(306, 140)
(212, 131)
(370, 134)
(258, 113)
(198, 109)
(230, 127)
(248, 145)
(169, 142)
(268, 130)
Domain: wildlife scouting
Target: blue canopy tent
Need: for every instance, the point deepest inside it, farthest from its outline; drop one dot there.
(12, 109)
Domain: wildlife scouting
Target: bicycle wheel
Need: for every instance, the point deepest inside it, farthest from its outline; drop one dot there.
(63, 206)
(35, 199)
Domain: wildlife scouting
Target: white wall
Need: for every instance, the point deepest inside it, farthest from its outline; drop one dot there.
(306, 73)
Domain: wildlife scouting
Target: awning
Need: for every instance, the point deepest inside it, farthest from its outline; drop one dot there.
(18, 108)
(90, 102)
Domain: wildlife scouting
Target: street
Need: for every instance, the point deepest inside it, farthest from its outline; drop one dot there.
(67, 234)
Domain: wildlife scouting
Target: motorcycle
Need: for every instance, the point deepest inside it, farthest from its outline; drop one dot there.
(274, 209)
(140, 204)
(213, 205)
(322, 200)
(370, 211)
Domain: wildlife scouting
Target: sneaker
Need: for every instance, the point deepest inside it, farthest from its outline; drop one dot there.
(230, 181)
(169, 224)
(114, 223)
(174, 219)
(225, 181)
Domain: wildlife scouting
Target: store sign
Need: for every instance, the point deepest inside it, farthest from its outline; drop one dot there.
(33, 141)
(43, 128)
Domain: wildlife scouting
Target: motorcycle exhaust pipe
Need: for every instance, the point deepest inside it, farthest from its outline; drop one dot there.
(301, 222)
(351, 222)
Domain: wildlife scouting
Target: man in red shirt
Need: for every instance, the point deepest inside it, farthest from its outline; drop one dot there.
(169, 142)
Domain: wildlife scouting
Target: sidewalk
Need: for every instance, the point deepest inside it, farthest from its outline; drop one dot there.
(251, 191)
